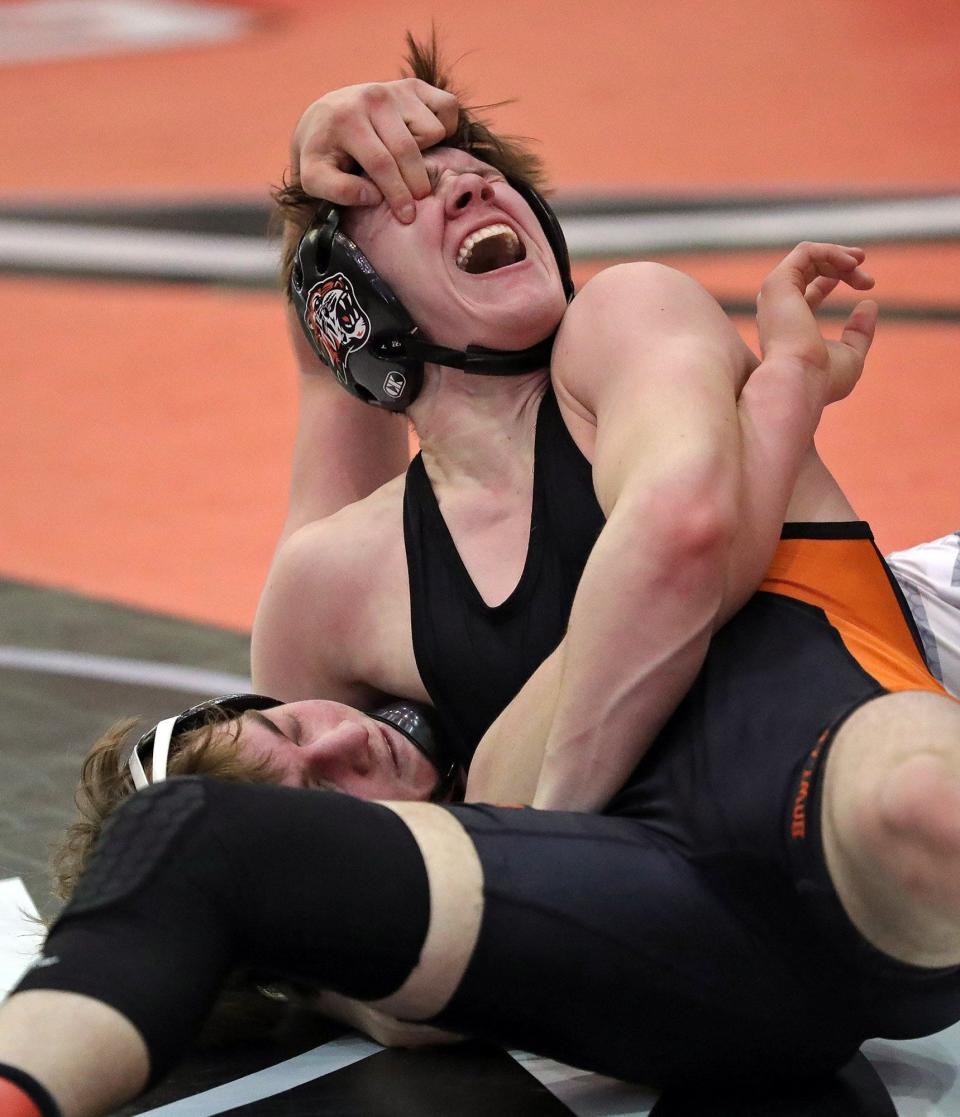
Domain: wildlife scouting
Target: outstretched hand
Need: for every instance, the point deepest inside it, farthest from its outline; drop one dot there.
(383, 127)
(789, 299)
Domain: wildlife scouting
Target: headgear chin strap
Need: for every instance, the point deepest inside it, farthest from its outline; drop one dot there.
(360, 329)
(413, 719)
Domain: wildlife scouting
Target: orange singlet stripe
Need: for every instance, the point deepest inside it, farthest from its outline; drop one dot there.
(15, 1103)
(846, 578)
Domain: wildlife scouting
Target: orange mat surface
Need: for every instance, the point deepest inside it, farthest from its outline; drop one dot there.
(145, 429)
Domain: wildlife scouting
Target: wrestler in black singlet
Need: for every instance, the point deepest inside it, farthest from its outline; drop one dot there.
(473, 657)
(690, 933)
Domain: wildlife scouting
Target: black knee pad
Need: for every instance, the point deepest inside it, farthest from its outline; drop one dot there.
(138, 841)
(193, 877)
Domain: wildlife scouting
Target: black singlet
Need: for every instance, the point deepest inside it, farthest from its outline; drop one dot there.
(473, 657)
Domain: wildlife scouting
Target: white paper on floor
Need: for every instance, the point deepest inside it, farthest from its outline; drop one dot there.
(20, 936)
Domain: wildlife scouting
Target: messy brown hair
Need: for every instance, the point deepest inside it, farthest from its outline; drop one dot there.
(296, 210)
(105, 781)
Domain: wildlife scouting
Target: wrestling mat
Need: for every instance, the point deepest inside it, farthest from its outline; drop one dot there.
(68, 667)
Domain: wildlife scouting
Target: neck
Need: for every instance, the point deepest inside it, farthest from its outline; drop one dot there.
(475, 428)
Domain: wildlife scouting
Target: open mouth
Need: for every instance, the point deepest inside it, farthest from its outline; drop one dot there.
(486, 250)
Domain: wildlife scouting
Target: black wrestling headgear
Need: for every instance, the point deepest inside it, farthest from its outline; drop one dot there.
(418, 723)
(154, 745)
(360, 329)
(413, 719)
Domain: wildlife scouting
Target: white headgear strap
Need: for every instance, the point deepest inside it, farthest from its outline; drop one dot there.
(161, 750)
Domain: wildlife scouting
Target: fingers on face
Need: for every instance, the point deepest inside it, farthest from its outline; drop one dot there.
(403, 174)
(415, 118)
(444, 106)
(322, 178)
(325, 173)
(383, 128)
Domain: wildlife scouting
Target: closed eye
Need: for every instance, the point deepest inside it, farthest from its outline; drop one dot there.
(294, 729)
(270, 726)
(434, 174)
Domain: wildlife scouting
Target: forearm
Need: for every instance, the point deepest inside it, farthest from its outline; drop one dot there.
(507, 763)
(778, 411)
(781, 405)
(343, 450)
(379, 1026)
(639, 630)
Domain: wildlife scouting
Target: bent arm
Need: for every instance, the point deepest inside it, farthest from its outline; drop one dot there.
(652, 358)
(714, 484)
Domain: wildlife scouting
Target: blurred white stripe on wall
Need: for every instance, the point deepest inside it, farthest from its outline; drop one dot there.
(38, 30)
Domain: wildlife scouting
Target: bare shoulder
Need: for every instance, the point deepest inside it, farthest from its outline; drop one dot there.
(647, 294)
(641, 319)
(373, 521)
(342, 540)
(312, 606)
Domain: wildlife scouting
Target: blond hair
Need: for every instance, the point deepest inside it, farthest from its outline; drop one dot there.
(241, 1011)
(105, 781)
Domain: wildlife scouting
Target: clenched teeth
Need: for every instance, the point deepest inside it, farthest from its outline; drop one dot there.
(495, 246)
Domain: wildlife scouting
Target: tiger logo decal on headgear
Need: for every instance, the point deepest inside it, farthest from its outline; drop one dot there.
(337, 321)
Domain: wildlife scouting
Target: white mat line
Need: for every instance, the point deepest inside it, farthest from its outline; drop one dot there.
(326, 1059)
(139, 672)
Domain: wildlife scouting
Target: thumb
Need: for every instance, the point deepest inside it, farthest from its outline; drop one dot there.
(860, 327)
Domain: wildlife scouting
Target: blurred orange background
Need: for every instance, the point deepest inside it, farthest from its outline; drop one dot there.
(146, 428)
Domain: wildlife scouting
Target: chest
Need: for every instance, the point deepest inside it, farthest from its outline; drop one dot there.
(491, 538)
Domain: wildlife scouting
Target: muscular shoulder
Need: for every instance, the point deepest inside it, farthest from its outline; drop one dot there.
(638, 320)
(316, 595)
(662, 297)
(342, 545)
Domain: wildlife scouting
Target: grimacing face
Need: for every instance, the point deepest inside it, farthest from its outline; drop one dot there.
(325, 744)
(474, 267)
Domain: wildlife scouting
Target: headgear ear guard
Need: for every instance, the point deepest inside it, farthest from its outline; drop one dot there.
(361, 330)
(414, 720)
(418, 724)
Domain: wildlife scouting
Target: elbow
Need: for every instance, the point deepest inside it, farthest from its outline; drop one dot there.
(697, 546)
(693, 517)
